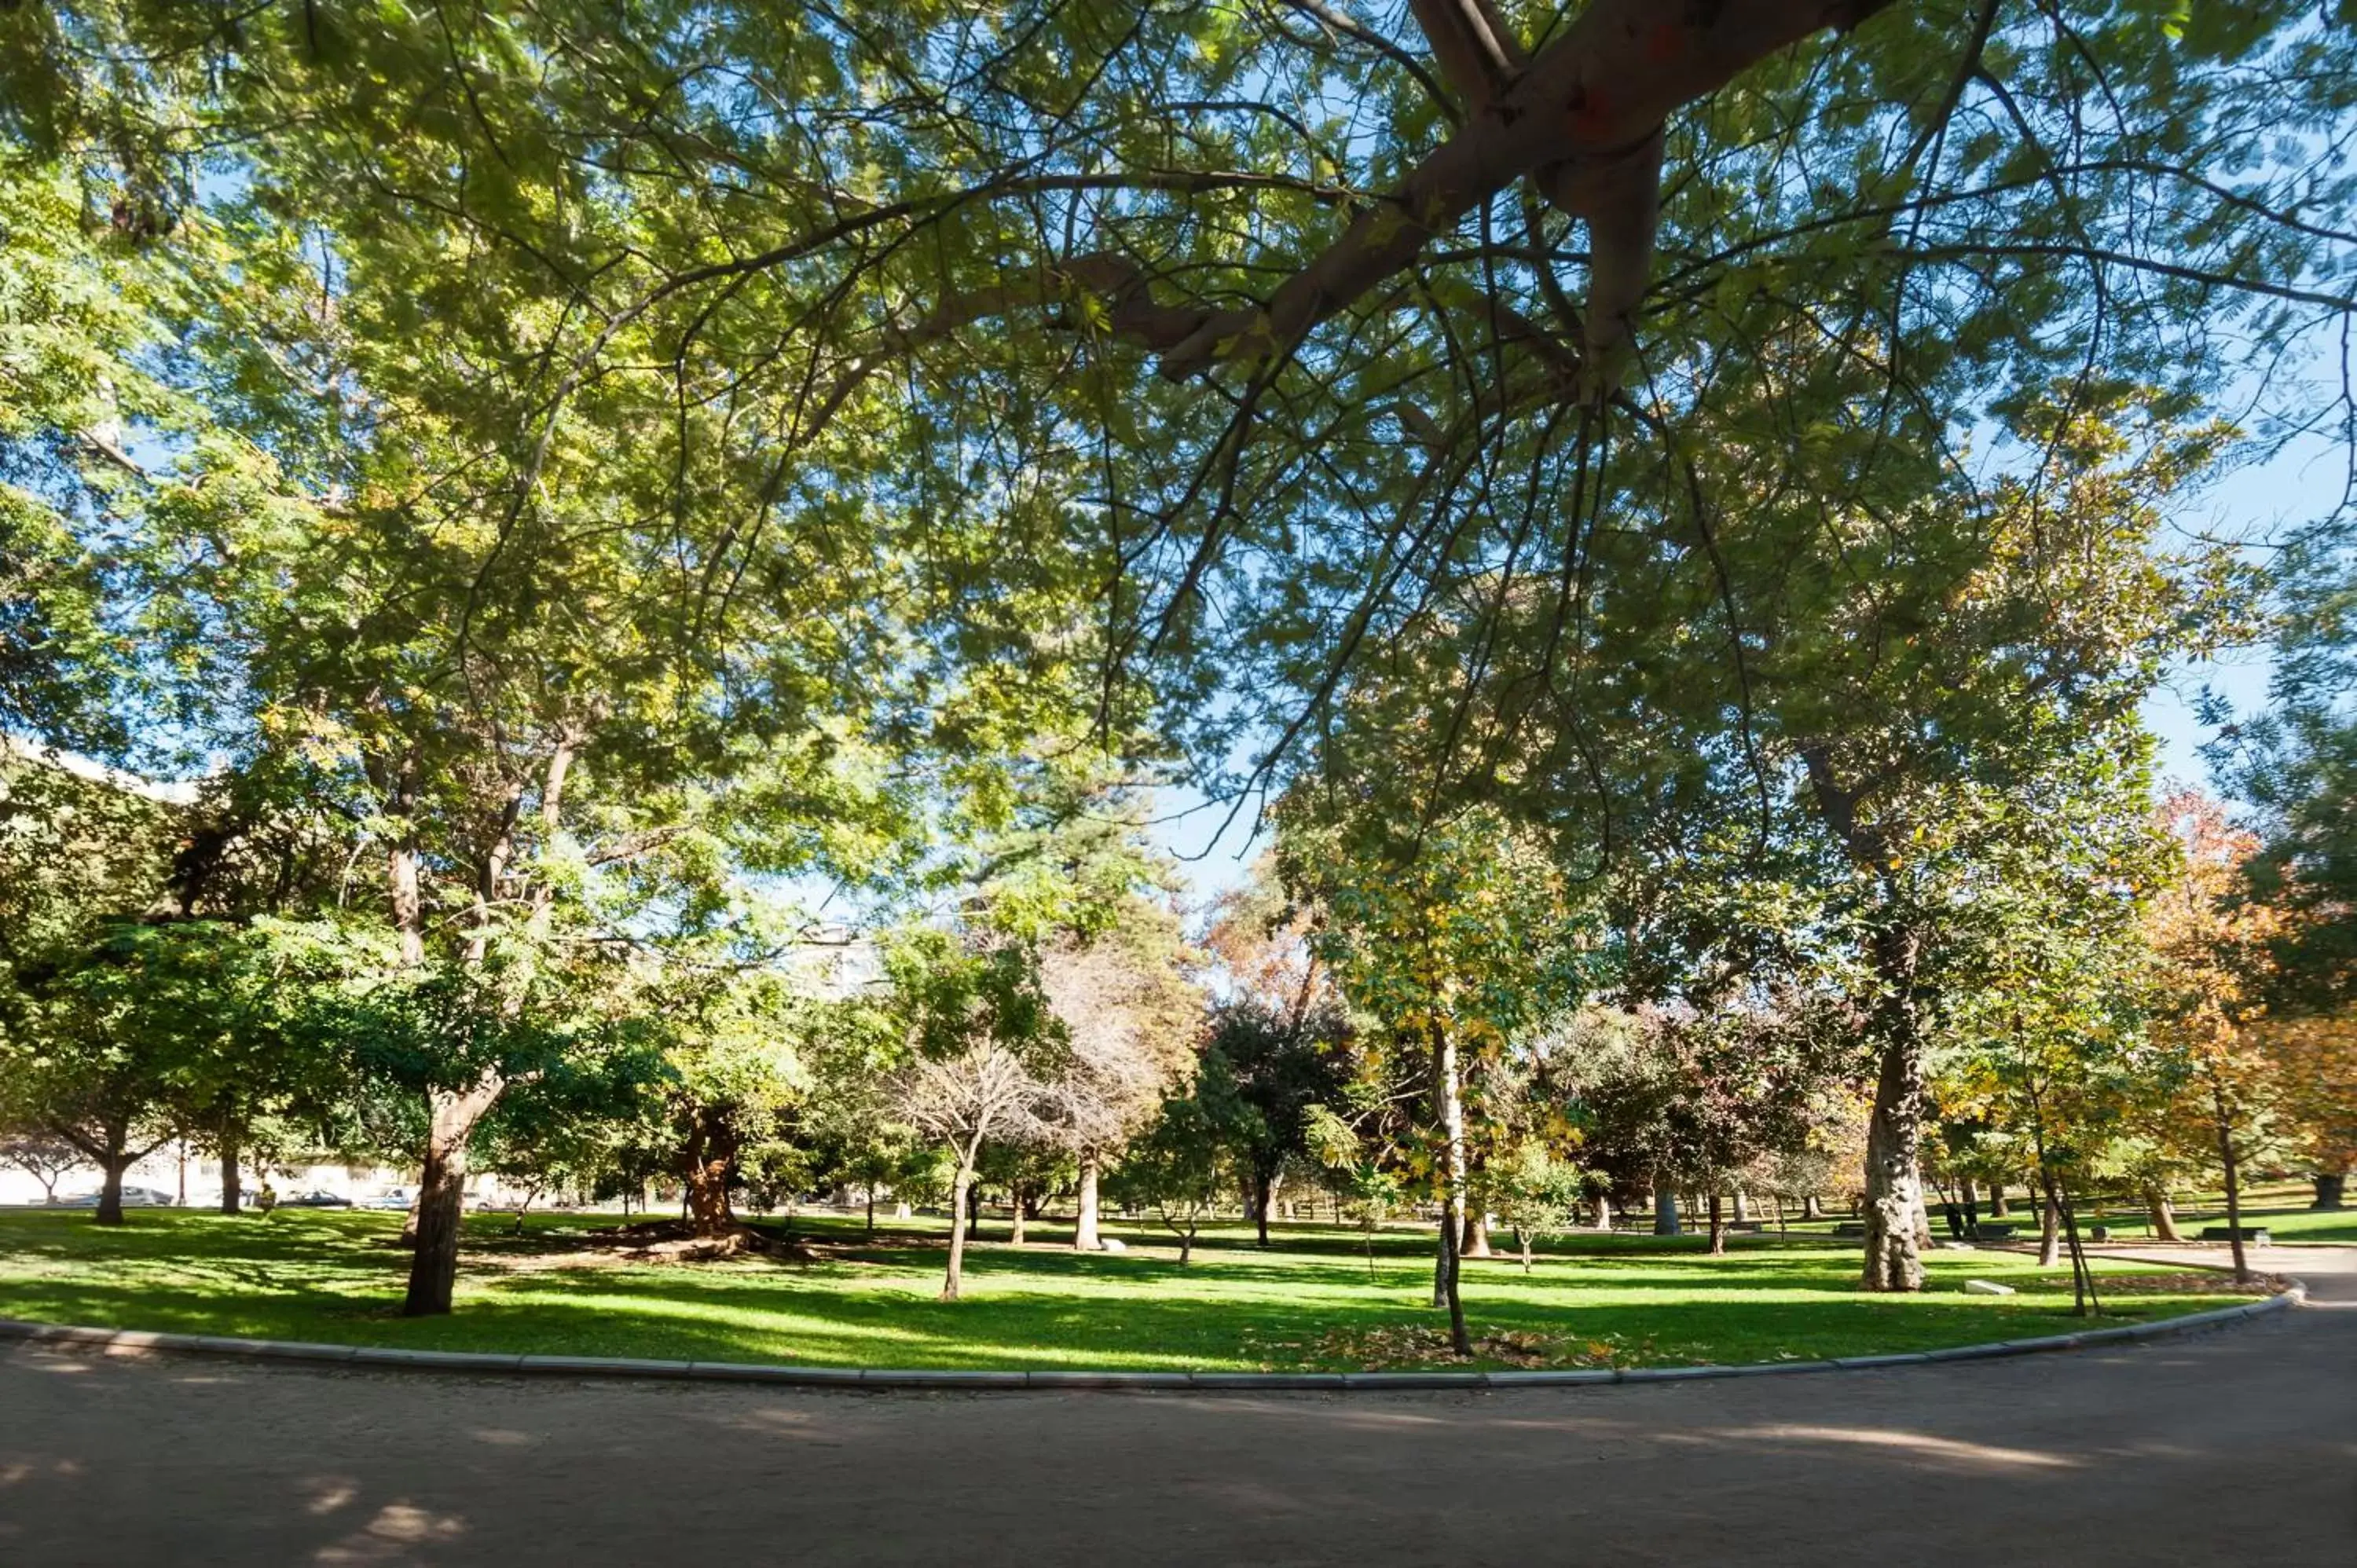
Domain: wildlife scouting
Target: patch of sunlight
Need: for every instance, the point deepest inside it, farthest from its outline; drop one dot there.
(1921, 1444)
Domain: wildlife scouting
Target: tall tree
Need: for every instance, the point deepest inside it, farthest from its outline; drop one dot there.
(1454, 942)
(2213, 947)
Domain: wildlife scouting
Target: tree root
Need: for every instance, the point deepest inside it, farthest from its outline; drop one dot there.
(678, 1241)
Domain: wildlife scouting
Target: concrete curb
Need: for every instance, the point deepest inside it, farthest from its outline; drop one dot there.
(132, 1341)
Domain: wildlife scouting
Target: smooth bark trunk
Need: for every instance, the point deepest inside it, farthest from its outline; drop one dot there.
(1014, 1218)
(1813, 1207)
(1603, 1211)
(1084, 1226)
(2164, 1217)
(1448, 1098)
(1717, 1225)
(1665, 1211)
(1742, 1207)
(2050, 1234)
(1997, 1209)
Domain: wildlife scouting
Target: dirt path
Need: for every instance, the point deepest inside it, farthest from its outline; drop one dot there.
(2238, 1447)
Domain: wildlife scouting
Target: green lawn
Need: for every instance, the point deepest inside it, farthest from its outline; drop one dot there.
(2281, 1207)
(1312, 1301)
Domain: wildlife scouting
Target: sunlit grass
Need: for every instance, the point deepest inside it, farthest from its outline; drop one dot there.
(1312, 1301)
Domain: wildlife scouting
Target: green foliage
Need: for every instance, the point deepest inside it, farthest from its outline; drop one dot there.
(1179, 1166)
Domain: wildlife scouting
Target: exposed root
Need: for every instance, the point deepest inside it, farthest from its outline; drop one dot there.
(677, 1242)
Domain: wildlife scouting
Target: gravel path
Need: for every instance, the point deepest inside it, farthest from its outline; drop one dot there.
(2238, 1447)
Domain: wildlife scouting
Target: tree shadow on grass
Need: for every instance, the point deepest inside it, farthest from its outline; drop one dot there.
(322, 1279)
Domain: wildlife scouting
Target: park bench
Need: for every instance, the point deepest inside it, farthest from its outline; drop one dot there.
(2257, 1233)
(1993, 1233)
(1850, 1228)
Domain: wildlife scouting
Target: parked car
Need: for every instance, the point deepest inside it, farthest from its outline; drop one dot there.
(133, 1197)
(398, 1198)
(317, 1198)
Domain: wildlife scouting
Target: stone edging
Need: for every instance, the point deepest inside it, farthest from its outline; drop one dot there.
(131, 1341)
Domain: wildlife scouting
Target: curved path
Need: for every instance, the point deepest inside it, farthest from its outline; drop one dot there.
(2237, 1447)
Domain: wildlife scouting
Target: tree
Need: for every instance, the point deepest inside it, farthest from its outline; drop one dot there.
(1694, 1099)
(1129, 1020)
(733, 1036)
(2213, 953)
(2295, 763)
(1536, 1193)
(1177, 1167)
(1412, 251)
(1280, 1069)
(1280, 1034)
(2314, 1063)
(104, 1047)
(1454, 940)
(43, 1155)
(2010, 657)
(979, 1046)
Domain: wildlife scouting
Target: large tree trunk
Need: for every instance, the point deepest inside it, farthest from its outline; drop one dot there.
(1084, 1226)
(1475, 1236)
(1717, 1224)
(110, 1188)
(1666, 1210)
(1812, 1207)
(1997, 1209)
(232, 1195)
(2332, 1188)
(708, 1167)
(1894, 1259)
(442, 1193)
(2050, 1234)
(2164, 1215)
(1449, 1100)
(1604, 1212)
(1015, 1216)
(1742, 1207)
